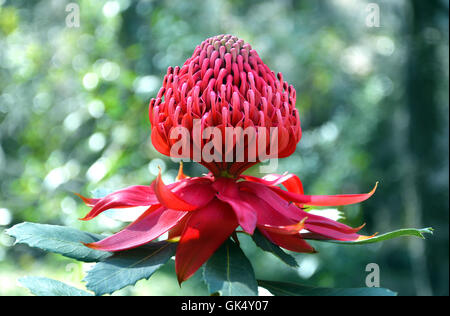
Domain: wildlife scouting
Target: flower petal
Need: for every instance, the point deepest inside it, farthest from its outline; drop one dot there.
(205, 231)
(285, 230)
(290, 242)
(336, 236)
(323, 226)
(324, 200)
(290, 181)
(195, 191)
(88, 201)
(169, 199)
(228, 191)
(274, 207)
(323, 222)
(152, 224)
(266, 214)
(138, 195)
(159, 142)
(178, 229)
(318, 232)
(265, 193)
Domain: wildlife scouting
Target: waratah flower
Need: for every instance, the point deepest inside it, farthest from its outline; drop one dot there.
(223, 83)
(226, 84)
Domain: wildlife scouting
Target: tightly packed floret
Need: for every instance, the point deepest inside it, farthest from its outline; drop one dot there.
(225, 84)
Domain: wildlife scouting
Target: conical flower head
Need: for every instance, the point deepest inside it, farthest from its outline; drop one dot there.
(225, 85)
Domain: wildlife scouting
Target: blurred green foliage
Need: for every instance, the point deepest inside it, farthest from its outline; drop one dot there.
(373, 103)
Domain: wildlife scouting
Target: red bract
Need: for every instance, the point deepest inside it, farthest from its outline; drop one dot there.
(201, 213)
(225, 84)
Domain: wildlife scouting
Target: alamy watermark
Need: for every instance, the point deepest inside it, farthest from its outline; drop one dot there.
(73, 16)
(373, 15)
(373, 278)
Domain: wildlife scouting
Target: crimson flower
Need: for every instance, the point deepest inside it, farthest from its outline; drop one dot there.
(226, 84)
(223, 84)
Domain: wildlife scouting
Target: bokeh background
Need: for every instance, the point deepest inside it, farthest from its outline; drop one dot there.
(373, 103)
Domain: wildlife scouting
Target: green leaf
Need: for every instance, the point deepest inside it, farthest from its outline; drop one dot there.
(229, 272)
(397, 233)
(47, 287)
(127, 267)
(291, 289)
(58, 239)
(266, 245)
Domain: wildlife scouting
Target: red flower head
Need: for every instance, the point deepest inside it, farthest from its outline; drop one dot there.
(224, 83)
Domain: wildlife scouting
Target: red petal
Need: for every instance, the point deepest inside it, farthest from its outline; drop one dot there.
(290, 181)
(340, 237)
(266, 214)
(265, 193)
(228, 191)
(205, 231)
(169, 199)
(195, 191)
(285, 230)
(323, 200)
(138, 195)
(89, 202)
(290, 242)
(325, 227)
(159, 143)
(320, 221)
(151, 224)
(272, 207)
(332, 233)
(178, 229)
